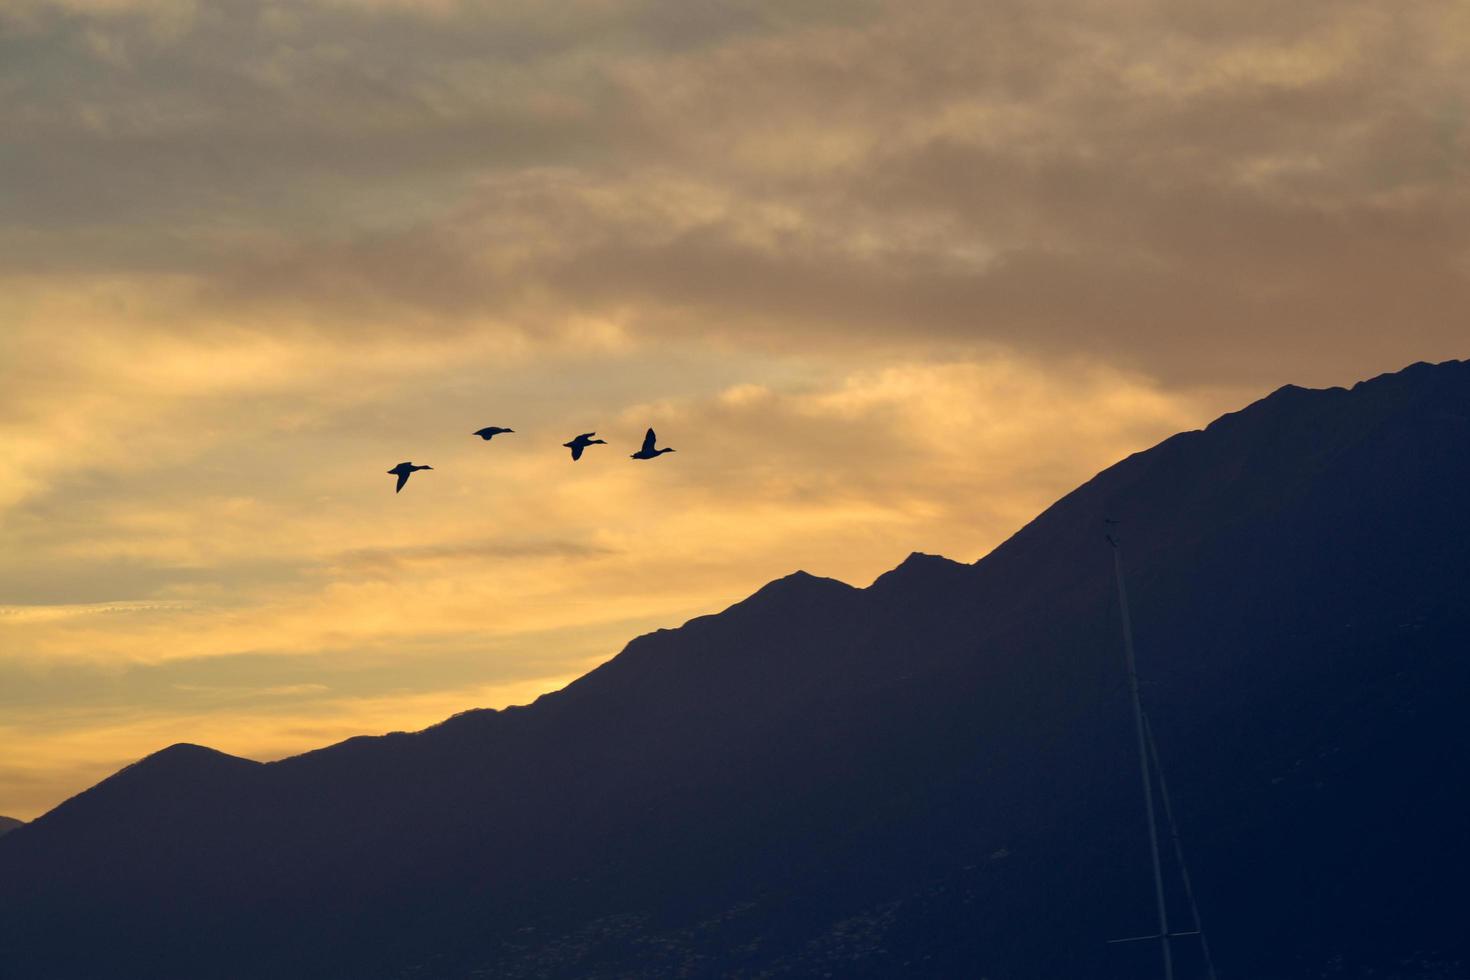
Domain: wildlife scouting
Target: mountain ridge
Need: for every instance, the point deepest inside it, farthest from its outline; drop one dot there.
(818, 753)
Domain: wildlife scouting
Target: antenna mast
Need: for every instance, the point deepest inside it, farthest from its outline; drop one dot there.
(1148, 759)
(1148, 784)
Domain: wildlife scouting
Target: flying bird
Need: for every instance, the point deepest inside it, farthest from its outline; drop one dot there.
(648, 452)
(490, 432)
(582, 442)
(402, 471)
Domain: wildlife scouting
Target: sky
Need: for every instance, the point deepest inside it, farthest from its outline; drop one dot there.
(890, 277)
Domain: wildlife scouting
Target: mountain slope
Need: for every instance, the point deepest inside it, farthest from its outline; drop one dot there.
(929, 776)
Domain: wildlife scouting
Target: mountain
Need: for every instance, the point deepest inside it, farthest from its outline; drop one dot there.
(7, 824)
(932, 776)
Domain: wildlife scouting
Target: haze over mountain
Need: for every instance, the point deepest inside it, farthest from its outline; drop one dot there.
(931, 776)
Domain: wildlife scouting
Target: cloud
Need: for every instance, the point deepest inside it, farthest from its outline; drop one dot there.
(1161, 190)
(47, 612)
(378, 562)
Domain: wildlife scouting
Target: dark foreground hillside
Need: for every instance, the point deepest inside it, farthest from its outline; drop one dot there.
(933, 776)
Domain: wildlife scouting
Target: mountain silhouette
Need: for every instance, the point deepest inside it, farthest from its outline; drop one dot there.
(931, 776)
(7, 824)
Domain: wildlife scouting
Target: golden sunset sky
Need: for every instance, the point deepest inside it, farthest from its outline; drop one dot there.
(889, 276)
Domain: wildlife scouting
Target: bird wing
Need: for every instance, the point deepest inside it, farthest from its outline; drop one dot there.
(576, 450)
(648, 441)
(402, 479)
(585, 435)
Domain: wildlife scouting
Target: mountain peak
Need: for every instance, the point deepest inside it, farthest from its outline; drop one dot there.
(181, 750)
(1418, 382)
(1291, 392)
(797, 585)
(137, 787)
(922, 559)
(1418, 371)
(921, 568)
(184, 757)
(800, 576)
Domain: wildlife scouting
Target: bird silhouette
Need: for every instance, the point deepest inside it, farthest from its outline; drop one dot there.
(490, 432)
(582, 442)
(648, 452)
(402, 471)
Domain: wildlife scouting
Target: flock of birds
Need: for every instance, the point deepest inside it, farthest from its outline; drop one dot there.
(578, 445)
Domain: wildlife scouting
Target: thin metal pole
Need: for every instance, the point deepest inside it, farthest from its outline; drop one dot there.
(1148, 788)
(1153, 752)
